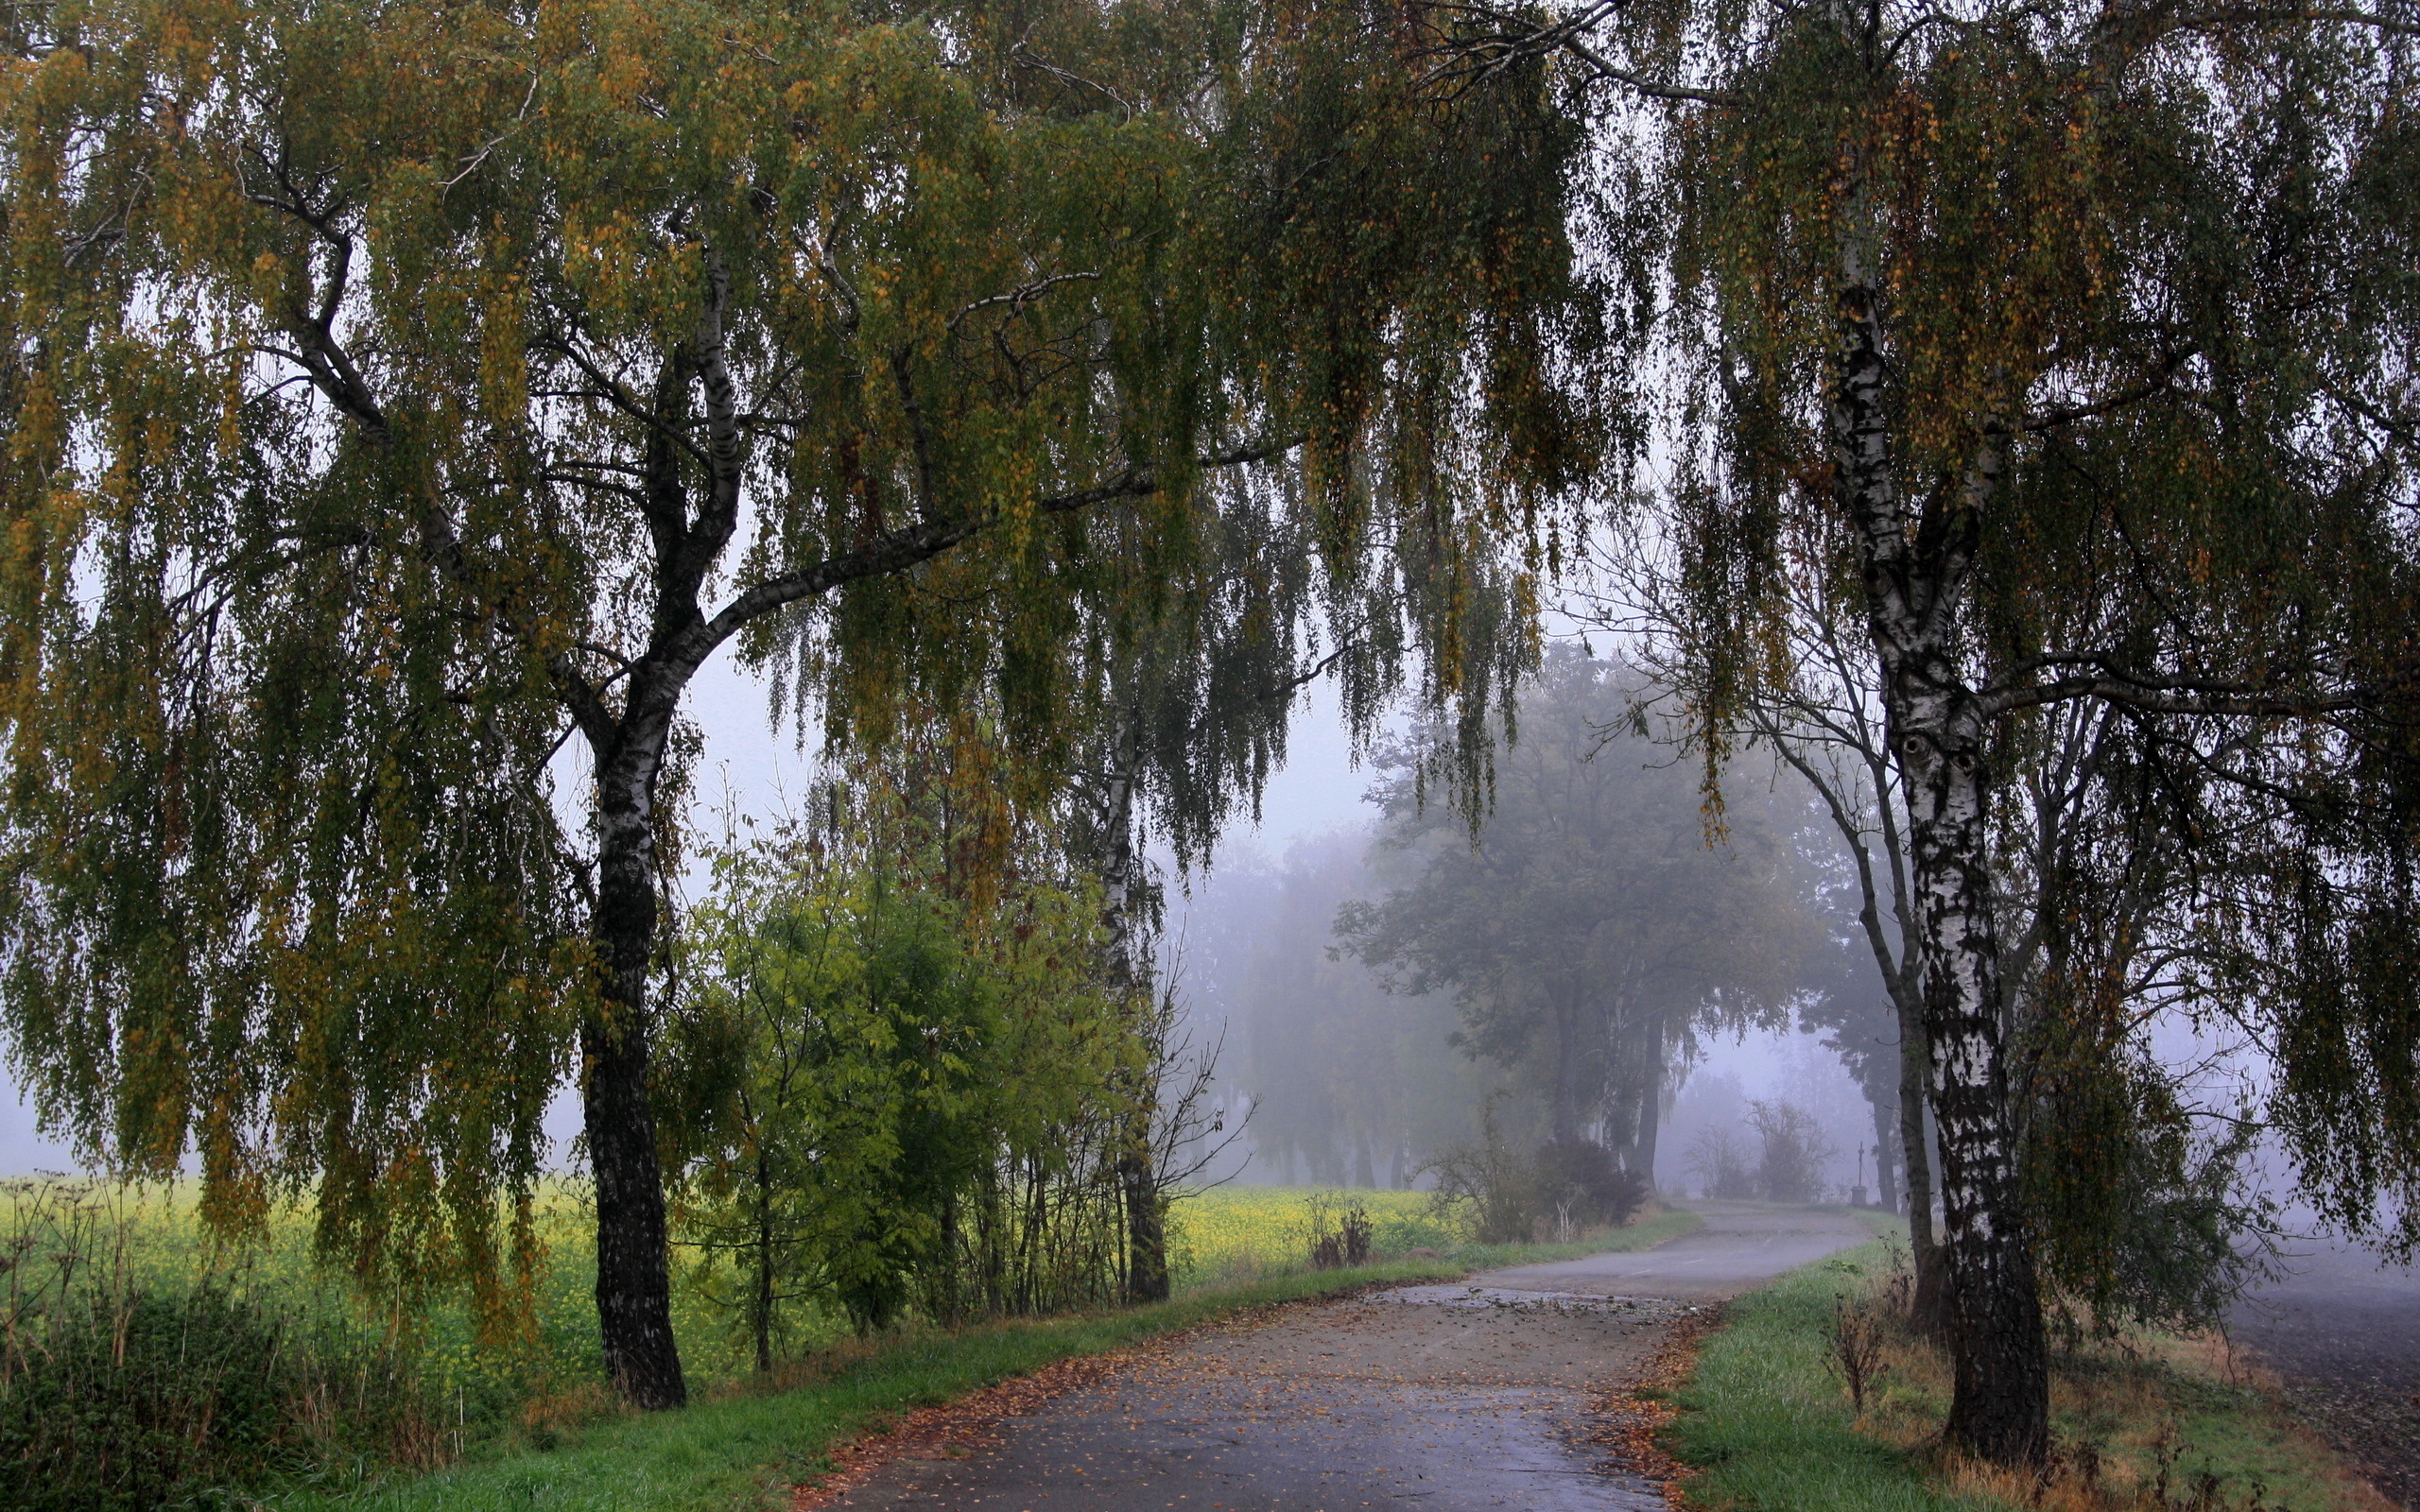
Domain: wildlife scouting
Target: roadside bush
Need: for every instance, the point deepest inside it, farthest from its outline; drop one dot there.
(1338, 1239)
(124, 1390)
(124, 1406)
(1490, 1188)
(1579, 1179)
(1504, 1196)
(1720, 1166)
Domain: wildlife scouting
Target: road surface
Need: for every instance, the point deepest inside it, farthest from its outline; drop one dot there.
(1457, 1398)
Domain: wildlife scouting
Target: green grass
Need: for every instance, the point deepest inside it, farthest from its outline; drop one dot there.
(740, 1450)
(1768, 1426)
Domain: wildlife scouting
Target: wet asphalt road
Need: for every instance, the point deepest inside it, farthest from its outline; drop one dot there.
(2343, 1331)
(1453, 1398)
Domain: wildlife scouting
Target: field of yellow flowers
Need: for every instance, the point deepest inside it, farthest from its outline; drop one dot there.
(152, 1237)
(1236, 1232)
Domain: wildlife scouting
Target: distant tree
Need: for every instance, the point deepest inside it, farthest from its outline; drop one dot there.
(1350, 1085)
(1585, 926)
(393, 399)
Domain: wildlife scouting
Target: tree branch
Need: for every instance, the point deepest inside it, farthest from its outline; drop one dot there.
(2152, 695)
(898, 550)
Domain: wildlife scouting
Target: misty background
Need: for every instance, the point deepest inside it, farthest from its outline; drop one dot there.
(1344, 1082)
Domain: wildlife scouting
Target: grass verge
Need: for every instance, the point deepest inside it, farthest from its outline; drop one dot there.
(744, 1449)
(2144, 1424)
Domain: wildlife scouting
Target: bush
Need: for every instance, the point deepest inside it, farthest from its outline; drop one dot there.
(1504, 1196)
(1790, 1153)
(1722, 1168)
(1342, 1242)
(126, 1406)
(1489, 1187)
(121, 1390)
(1579, 1179)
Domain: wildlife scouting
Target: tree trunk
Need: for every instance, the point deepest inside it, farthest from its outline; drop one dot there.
(1147, 1245)
(764, 1302)
(1913, 582)
(1915, 1154)
(1563, 1122)
(1650, 1102)
(633, 1262)
(1886, 1187)
(2001, 1408)
(1146, 1240)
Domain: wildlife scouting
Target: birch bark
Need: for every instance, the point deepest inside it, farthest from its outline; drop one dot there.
(1914, 573)
(634, 1276)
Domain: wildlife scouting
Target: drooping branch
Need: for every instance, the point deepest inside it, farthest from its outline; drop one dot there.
(913, 545)
(1469, 61)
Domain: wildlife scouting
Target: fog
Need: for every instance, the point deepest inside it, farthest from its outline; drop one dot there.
(1354, 1076)
(1345, 1082)
(1261, 918)
(1225, 946)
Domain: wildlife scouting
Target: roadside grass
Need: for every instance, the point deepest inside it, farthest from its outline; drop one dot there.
(2142, 1424)
(741, 1446)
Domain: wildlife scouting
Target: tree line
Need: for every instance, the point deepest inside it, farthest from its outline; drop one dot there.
(396, 403)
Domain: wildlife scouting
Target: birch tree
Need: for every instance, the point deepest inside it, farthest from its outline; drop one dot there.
(1821, 716)
(398, 399)
(2090, 324)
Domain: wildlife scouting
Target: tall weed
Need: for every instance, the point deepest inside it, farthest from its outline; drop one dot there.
(127, 1385)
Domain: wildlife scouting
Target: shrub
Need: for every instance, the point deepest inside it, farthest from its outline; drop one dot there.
(121, 1391)
(1580, 1180)
(1790, 1153)
(1722, 1168)
(124, 1406)
(1344, 1241)
(1490, 1187)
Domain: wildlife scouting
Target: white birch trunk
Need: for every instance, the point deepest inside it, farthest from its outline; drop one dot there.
(1914, 578)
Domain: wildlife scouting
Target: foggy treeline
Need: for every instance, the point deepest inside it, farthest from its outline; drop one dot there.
(1602, 958)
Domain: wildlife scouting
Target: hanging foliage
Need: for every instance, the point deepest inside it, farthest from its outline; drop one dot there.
(397, 398)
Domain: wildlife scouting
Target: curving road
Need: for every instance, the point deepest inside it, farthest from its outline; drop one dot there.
(1456, 1397)
(1742, 1245)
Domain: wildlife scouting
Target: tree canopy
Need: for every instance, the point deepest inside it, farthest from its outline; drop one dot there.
(395, 397)
(1586, 930)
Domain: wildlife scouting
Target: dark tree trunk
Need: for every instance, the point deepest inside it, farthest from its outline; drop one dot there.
(1650, 1103)
(633, 1262)
(1914, 573)
(1147, 1239)
(1915, 1155)
(1147, 1245)
(1564, 1114)
(764, 1301)
(1886, 1187)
